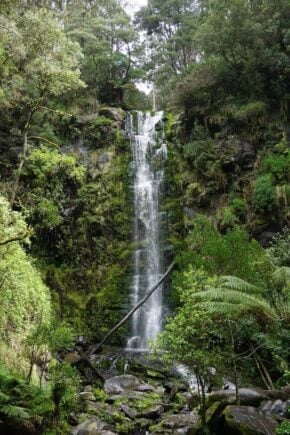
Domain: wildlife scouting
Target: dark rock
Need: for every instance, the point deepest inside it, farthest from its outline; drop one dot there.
(81, 341)
(177, 388)
(143, 423)
(245, 420)
(153, 412)
(92, 407)
(266, 407)
(144, 388)
(133, 395)
(120, 384)
(244, 155)
(168, 386)
(129, 412)
(72, 419)
(277, 408)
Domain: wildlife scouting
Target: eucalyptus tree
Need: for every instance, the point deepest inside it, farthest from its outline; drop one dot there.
(170, 26)
(107, 38)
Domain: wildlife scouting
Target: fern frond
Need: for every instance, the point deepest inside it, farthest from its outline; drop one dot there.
(235, 297)
(15, 411)
(239, 284)
(282, 276)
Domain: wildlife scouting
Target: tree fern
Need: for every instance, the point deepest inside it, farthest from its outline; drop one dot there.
(239, 284)
(235, 297)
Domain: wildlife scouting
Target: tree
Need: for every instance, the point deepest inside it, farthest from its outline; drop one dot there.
(107, 39)
(231, 298)
(170, 27)
(45, 339)
(245, 47)
(195, 339)
(44, 64)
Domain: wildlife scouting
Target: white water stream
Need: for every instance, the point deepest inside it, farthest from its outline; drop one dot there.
(148, 157)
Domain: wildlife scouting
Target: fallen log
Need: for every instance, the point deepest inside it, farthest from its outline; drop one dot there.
(98, 346)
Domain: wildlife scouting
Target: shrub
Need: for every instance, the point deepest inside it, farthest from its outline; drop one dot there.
(278, 165)
(284, 428)
(264, 194)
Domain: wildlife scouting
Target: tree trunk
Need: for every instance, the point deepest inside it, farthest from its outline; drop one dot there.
(130, 314)
(23, 154)
(262, 370)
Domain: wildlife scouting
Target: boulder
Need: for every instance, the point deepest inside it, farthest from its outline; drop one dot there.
(87, 395)
(178, 421)
(129, 412)
(121, 384)
(92, 407)
(93, 426)
(72, 419)
(153, 412)
(277, 408)
(145, 388)
(245, 420)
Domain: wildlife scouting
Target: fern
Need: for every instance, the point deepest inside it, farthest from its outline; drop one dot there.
(235, 300)
(4, 397)
(239, 284)
(15, 411)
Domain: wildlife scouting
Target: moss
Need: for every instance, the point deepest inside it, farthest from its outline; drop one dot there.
(146, 401)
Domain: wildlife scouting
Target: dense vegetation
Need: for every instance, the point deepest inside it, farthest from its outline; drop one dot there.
(68, 74)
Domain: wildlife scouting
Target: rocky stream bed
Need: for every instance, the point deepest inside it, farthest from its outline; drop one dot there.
(127, 393)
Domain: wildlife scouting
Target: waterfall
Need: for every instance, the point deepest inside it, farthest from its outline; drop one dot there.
(148, 155)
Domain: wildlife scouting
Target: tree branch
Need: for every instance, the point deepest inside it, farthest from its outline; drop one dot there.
(14, 239)
(131, 312)
(45, 140)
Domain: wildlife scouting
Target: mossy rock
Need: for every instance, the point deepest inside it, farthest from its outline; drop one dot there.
(245, 420)
(113, 113)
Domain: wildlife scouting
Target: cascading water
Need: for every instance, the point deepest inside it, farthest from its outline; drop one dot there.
(148, 157)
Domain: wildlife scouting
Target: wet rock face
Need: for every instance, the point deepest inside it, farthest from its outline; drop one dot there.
(113, 113)
(246, 420)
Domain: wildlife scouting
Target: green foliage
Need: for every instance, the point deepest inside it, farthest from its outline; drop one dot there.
(284, 428)
(279, 250)
(45, 62)
(56, 174)
(24, 297)
(106, 35)
(100, 394)
(147, 400)
(230, 254)
(226, 217)
(45, 164)
(20, 400)
(65, 386)
(264, 195)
